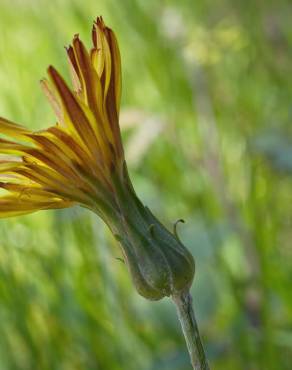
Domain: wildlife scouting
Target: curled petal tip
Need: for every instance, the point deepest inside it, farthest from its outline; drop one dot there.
(76, 40)
(50, 69)
(52, 72)
(100, 23)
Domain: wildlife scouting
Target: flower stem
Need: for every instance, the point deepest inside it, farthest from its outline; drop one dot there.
(183, 302)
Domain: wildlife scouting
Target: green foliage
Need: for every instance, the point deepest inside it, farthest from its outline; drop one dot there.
(206, 118)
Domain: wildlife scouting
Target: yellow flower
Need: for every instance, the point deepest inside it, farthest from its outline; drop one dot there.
(80, 161)
(73, 161)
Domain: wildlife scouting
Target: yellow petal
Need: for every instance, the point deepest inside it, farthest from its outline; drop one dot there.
(101, 43)
(94, 98)
(10, 147)
(91, 82)
(104, 38)
(13, 205)
(54, 101)
(97, 59)
(74, 70)
(12, 129)
(72, 148)
(75, 114)
(6, 166)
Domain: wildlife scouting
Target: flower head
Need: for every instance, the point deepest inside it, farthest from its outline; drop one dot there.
(73, 161)
(80, 161)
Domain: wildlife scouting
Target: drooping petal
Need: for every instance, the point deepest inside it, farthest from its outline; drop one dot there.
(14, 205)
(26, 191)
(52, 182)
(6, 166)
(13, 130)
(95, 170)
(10, 147)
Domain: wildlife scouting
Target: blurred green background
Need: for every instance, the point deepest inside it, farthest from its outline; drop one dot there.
(206, 120)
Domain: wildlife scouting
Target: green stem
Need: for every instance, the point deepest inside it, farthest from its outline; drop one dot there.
(190, 329)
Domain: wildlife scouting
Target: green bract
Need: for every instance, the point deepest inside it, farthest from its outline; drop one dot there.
(159, 263)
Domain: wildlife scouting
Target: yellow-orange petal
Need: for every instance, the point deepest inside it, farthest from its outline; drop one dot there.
(74, 70)
(13, 205)
(97, 59)
(51, 182)
(9, 165)
(10, 147)
(76, 116)
(116, 67)
(104, 39)
(90, 78)
(101, 43)
(75, 151)
(13, 130)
